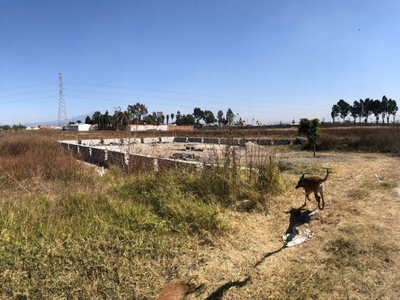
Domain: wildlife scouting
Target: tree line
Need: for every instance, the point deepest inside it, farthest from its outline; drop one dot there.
(361, 110)
(139, 114)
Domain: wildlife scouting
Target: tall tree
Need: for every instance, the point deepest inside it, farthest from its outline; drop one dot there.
(178, 116)
(384, 108)
(159, 118)
(107, 121)
(150, 119)
(172, 118)
(118, 119)
(376, 109)
(344, 109)
(198, 114)
(356, 110)
(230, 116)
(167, 116)
(209, 117)
(96, 119)
(367, 109)
(334, 112)
(88, 120)
(311, 129)
(185, 120)
(137, 111)
(392, 109)
(220, 118)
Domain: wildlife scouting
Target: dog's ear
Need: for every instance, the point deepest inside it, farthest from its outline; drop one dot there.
(302, 176)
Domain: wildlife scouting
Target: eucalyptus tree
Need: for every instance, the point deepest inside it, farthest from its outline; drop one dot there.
(344, 109)
(118, 118)
(334, 112)
(185, 120)
(230, 116)
(137, 111)
(220, 118)
(367, 109)
(208, 117)
(198, 114)
(376, 109)
(160, 118)
(108, 121)
(178, 116)
(356, 110)
(384, 108)
(392, 109)
(96, 119)
(150, 119)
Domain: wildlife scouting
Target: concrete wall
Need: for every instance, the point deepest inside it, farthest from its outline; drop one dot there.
(146, 127)
(95, 151)
(180, 128)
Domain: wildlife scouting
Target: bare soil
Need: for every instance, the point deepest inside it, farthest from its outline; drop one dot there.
(207, 153)
(353, 254)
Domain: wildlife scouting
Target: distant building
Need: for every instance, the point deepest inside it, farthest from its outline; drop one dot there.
(133, 127)
(32, 128)
(80, 127)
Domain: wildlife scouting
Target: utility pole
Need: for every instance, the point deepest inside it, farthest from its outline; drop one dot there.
(62, 111)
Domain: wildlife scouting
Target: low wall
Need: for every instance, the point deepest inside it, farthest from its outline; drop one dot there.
(129, 162)
(95, 151)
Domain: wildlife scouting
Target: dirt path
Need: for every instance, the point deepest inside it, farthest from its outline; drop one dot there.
(354, 252)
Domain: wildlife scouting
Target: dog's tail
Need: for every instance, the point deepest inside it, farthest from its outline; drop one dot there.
(326, 177)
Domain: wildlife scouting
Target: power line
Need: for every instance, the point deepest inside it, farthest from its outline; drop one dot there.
(191, 106)
(156, 90)
(28, 93)
(28, 100)
(26, 86)
(186, 99)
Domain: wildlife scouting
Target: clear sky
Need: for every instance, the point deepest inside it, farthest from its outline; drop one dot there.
(267, 60)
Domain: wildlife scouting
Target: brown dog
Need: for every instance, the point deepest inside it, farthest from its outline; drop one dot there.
(313, 184)
(176, 290)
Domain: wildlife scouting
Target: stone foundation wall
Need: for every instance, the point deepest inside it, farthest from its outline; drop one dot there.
(95, 151)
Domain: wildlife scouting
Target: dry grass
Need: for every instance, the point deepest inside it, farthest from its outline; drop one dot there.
(353, 252)
(68, 233)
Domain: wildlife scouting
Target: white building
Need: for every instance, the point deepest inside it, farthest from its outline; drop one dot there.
(79, 127)
(134, 127)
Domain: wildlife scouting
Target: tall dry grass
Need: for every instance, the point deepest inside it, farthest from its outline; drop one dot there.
(385, 139)
(67, 232)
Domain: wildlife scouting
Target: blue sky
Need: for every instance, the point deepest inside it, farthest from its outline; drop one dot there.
(269, 61)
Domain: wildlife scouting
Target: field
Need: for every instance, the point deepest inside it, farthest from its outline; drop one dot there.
(69, 233)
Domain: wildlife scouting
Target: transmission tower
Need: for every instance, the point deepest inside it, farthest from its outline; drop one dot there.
(62, 111)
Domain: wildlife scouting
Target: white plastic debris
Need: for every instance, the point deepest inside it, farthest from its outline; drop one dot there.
(297, 237)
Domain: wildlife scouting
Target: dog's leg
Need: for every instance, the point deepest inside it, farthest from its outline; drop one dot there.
(305, 201)
(323, 201)
(307, 197)
(318, 198)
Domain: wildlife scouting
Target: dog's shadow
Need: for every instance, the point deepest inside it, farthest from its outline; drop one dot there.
(298, 216)
(219, 292)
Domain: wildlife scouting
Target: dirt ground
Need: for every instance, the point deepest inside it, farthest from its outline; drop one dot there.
(205, 153)
(354, 252)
